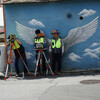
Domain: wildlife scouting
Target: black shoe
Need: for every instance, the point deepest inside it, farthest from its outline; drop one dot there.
(59, 73)
(18, 75)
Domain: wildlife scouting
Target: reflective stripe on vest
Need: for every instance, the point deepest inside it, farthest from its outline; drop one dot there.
(17, 45)
(56, 44)
(41, 40)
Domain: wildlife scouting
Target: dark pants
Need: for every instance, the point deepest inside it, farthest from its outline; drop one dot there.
(43, 63)
(56, 59)
(17, 56)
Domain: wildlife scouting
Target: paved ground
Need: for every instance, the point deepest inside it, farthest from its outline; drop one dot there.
(58, 88)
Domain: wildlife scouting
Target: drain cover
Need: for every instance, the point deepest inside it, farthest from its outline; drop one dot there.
(90, 81)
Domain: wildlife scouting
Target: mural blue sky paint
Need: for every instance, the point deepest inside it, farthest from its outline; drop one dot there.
(50, 16)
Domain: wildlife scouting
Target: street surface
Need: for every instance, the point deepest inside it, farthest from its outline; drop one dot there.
(58, 88)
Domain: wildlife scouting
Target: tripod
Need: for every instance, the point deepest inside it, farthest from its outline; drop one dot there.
(10, 60)
(39, 58)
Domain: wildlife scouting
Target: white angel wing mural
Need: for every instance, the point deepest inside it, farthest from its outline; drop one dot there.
(26, 33)
(80, 34)
(75, 36)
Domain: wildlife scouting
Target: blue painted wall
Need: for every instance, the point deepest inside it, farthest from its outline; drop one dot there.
(50, 16)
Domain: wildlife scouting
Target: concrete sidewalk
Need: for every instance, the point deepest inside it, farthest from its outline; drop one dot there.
(58, 88)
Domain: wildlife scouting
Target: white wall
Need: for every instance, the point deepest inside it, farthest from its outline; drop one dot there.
(2, 58)
(1, 17)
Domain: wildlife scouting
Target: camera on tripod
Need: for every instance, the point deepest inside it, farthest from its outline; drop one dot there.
(39, 46)
(12, 38)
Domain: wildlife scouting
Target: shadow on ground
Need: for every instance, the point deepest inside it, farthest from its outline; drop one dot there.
(71, 74)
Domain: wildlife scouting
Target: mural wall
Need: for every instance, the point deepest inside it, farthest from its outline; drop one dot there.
(78, 24)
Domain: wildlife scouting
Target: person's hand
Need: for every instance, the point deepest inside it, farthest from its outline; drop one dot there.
(34, 46)
(50, 50)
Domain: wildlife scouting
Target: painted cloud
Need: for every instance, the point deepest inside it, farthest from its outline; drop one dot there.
(93, 53)
(28, 55)
(86, 13)
(35, 22)
(74, 57)
(95, 44)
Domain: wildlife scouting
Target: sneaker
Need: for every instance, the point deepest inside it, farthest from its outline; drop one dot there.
(23, 75)
(17, 75)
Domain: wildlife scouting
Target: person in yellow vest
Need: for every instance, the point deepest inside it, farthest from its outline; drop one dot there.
(57, 49)
(12, 39)
(40, 38)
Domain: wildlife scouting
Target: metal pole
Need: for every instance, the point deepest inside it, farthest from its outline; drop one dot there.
(48, 65)
(41, 63)
(37, 63)
(9, 61)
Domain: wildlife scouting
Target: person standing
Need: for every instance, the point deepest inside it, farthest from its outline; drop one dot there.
(12, 38)
(57, 50)
(40, 38)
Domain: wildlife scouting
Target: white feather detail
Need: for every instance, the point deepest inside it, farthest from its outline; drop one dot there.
(80, 34)
(26, 33)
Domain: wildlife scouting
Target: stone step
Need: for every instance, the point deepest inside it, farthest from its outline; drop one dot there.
(1, 37)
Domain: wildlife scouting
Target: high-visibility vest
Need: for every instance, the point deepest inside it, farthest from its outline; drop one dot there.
(17, 45)
(56, 44)
(41, 40)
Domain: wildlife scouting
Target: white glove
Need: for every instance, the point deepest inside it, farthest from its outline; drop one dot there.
(50, 50)
(62, 50)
